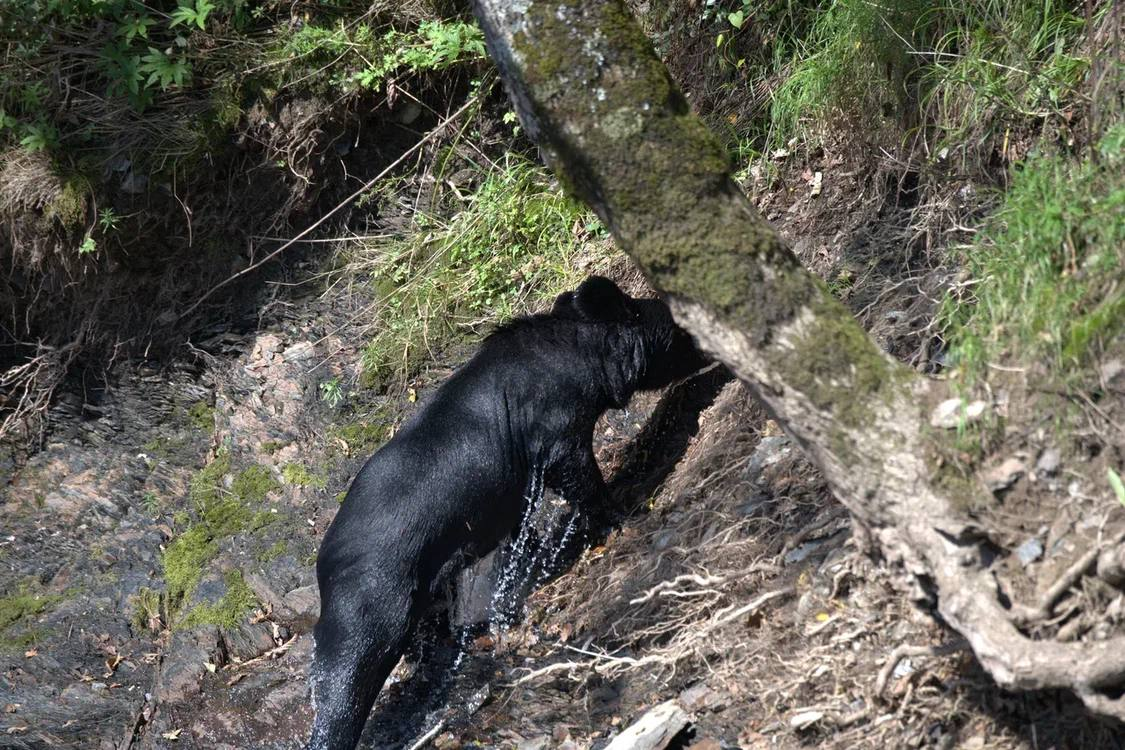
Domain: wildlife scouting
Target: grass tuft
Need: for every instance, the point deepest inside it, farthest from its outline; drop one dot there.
(1046, 278)
(510, 247)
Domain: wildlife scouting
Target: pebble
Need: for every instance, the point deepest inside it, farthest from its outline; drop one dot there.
(805, 719)
(1049, 461)
(1005, 475)
(1030, 551)
(950, 414)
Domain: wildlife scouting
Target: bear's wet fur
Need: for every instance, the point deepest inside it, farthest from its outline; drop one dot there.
(450, 485)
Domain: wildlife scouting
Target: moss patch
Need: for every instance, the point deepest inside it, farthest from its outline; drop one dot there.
(24, 603)
(228, 612)
(274, 551)
(362, 436)
(253, 484)
(218, 513)
(299, 475)
(68, 208)
(201, 416)
(16, 634)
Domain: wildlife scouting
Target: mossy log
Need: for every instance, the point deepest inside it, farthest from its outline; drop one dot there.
(616, 130)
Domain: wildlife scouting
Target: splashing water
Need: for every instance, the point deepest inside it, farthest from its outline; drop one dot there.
(568, 532)
(515, 572)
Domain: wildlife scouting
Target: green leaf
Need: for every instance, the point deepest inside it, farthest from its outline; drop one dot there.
(737, 19)
(1117, 485)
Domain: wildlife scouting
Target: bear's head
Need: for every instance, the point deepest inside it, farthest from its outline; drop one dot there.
(667, 352)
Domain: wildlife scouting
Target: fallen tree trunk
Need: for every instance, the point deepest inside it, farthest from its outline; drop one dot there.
(612, 124)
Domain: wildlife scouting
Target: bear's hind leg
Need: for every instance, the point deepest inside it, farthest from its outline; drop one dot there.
(358, 643)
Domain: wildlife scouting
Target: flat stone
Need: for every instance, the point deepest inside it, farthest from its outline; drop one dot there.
(954, 411)
(805, 719)
(303, 602)
(653, 731)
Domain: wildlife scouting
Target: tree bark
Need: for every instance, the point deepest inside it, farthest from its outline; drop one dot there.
(613, 126)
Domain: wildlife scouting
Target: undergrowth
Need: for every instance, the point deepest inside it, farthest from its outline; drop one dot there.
(1046, 281)
(951, 75)
(511, 247)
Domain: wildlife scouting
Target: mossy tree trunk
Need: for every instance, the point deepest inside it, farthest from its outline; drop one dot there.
(612, 124)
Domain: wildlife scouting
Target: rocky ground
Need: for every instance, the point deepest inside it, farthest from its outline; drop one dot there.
(734, 585)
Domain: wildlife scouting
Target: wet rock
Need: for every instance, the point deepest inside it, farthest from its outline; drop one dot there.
(475, 586)
(536, 743)
(653, 731)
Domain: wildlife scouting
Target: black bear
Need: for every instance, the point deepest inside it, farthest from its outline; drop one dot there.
(450, 485)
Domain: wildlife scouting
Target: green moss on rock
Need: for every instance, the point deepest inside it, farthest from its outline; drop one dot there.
(201, 416)
(229, 611)
(219, 513)
(24, 603)
(299, 475)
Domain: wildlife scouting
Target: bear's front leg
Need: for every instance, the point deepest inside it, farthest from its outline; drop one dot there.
(579, 480)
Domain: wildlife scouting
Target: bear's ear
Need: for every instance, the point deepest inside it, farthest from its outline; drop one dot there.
(564, 306)
(598, 298)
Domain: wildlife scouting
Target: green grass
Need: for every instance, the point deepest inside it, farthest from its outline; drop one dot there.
(511, 247)
(1046, 280)
(146, 608)
(851, 67)
(963, 75)
(998, 65)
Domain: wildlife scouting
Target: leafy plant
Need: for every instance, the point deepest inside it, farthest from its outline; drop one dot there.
(331, 393)
(161, 67)
(107, 220)
(192, 14)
